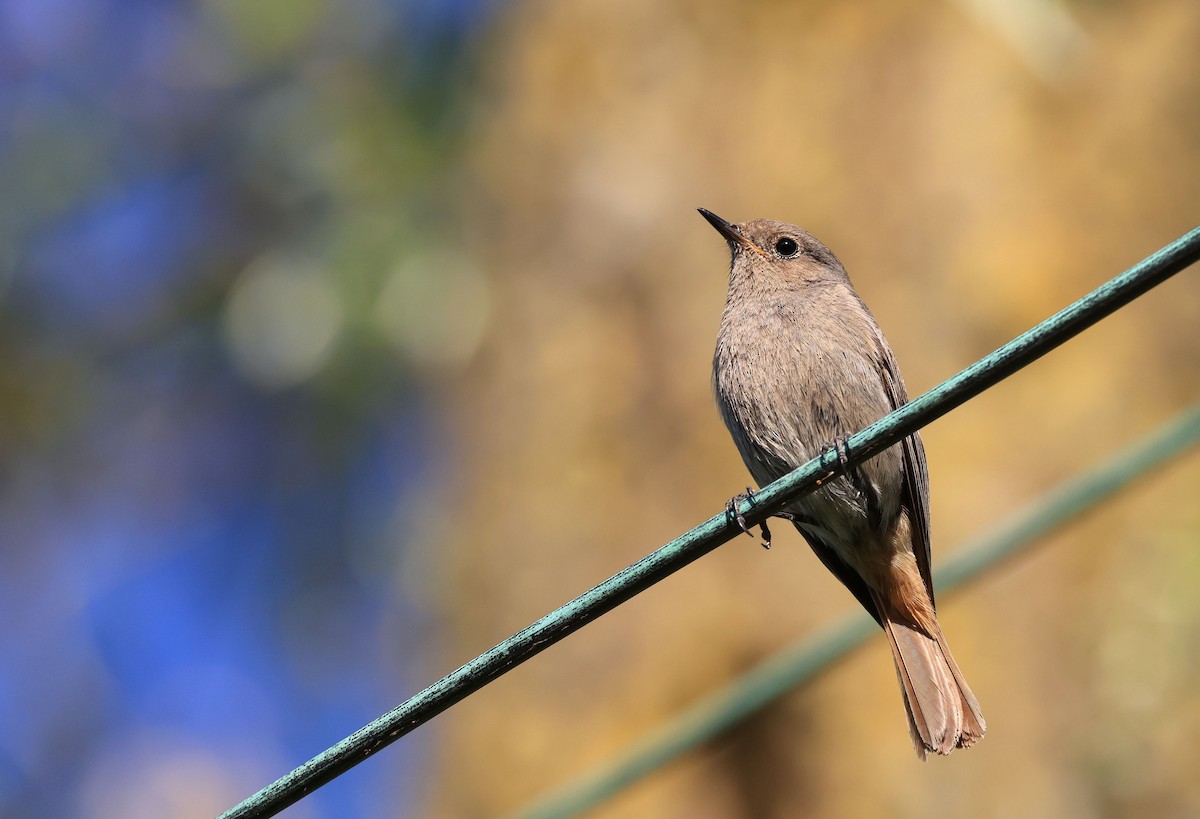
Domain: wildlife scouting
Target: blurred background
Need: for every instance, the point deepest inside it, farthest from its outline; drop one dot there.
(339, 340)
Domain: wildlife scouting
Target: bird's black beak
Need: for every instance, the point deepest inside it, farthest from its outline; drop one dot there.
(732, 233)
(729, 231)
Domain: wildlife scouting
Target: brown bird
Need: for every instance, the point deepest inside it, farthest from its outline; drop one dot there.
(801, 364)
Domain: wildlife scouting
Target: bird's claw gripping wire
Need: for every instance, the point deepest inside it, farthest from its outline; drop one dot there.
(858, 481)
(843, 451)
(732, 513)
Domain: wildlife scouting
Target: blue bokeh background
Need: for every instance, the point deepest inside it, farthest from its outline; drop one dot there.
(198, 565)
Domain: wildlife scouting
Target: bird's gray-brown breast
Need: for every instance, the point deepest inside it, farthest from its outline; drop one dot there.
(794, 370)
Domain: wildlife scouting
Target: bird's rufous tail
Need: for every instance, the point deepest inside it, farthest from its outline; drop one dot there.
(943, 714)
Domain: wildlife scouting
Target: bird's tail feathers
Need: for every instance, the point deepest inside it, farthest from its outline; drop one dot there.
(943, 714)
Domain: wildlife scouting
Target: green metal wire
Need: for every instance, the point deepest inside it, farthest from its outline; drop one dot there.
(717, 530)
(806, 659)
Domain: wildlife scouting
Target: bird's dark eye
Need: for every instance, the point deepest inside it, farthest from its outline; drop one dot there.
(787, 247)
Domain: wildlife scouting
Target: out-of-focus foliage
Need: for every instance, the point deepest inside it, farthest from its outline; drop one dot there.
(340, 340)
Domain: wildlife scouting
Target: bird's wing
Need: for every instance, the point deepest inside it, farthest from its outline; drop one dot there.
(915, 494)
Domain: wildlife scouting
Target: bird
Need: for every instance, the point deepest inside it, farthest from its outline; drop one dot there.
(800, 364)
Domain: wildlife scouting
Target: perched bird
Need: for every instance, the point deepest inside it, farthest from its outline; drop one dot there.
(800, 364)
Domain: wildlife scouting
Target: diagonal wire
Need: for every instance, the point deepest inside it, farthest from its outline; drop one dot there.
(702, 539)
(809, 657)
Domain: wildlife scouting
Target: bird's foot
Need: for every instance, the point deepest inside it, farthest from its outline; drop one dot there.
(766, 535)
(858, 480)
(843, 451)
(732, 513)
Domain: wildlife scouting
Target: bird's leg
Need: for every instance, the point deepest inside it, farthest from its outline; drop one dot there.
(731, 512)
